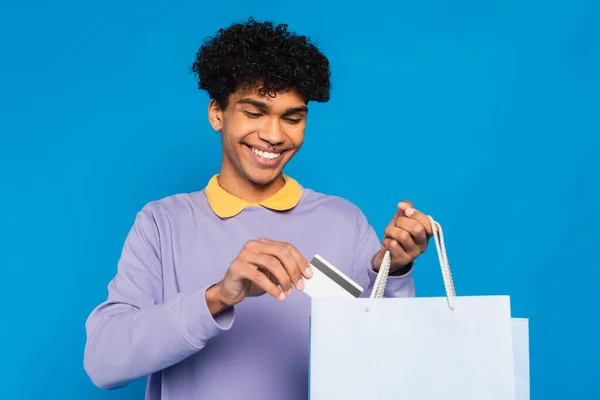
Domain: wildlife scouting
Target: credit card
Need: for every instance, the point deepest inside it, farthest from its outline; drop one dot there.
(329, 282)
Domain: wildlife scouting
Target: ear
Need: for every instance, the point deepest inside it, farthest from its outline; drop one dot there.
(215, 115)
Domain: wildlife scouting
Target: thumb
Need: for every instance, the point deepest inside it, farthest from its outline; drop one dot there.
(405, 206)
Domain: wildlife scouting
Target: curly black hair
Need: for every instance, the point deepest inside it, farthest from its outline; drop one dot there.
(260, 55)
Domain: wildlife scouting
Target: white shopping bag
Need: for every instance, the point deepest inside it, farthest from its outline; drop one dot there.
(451, 348)
(520, 335)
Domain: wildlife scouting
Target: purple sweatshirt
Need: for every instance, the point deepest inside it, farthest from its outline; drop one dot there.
(155, 321)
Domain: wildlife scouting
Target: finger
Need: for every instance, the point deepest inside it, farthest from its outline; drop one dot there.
(291, 259)
(403, 207)
(399, 255)
(303, 264)
(409, 211)
(271, 264)
(403, 237)
(268, 274)
(253, 274)
(414, 227)
(406, 204)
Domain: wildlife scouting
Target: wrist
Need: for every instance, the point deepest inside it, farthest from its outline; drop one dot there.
(402, 270)
(395, 270)
(214, 300)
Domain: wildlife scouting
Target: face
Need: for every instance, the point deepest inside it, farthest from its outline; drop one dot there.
(260, 134)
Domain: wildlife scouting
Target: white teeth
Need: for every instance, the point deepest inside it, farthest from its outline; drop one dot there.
(266, 155)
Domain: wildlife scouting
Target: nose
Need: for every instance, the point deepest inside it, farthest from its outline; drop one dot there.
(272, 134)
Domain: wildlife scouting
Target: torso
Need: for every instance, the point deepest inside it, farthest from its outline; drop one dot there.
(265, 353)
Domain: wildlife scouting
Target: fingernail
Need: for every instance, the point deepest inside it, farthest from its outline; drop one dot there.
(281, 296)
(409, 212)
(289, 292)
(308, 272)
(300, 284)
(402, 204)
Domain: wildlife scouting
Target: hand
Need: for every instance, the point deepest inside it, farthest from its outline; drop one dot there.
(406, 237)
(262, 266)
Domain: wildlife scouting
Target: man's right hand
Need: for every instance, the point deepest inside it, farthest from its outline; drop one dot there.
(263, 266)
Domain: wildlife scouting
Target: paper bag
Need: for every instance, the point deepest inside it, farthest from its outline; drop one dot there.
(451, 348)
(520, 334)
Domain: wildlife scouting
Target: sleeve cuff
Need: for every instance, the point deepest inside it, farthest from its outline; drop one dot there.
(397, 285)
(196, 324)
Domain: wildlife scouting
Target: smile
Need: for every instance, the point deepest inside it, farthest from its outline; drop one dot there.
(265, 154)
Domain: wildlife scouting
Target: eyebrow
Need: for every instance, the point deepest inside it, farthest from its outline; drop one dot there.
(264, 106)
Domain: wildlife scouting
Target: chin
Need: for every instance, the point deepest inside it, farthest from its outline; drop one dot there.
(264, 177)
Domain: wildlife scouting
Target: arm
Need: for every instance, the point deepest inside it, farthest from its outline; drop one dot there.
(367, 246)
(134, 333)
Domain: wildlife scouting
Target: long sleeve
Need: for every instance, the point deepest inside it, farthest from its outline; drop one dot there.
(367, 245)
(134, 333)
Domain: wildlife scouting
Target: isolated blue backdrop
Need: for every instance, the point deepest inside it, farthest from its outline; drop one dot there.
(484, 114)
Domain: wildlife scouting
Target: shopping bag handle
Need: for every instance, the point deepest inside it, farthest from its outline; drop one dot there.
(384, 269)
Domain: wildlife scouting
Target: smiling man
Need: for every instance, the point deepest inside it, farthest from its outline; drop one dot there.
(206, 300)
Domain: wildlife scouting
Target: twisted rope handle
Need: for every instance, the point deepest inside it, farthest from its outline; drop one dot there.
(384, 269)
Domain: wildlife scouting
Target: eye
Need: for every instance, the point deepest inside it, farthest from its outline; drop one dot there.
(293, 120)
(251, 114)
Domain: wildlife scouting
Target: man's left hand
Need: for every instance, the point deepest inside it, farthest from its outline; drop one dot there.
(406, 237)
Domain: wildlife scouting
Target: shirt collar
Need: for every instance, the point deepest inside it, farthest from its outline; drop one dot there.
(226, 205)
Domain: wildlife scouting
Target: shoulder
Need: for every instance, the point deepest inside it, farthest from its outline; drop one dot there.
(336, 206)
(316, 199)
(169, 209)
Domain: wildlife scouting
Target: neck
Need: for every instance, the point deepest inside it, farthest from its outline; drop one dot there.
(244, 189)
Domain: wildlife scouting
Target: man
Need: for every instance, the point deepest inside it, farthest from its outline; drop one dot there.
(206, 300)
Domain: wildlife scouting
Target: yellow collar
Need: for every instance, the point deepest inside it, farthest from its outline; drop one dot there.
(226, 205)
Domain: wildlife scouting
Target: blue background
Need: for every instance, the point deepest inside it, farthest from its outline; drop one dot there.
(484, 114)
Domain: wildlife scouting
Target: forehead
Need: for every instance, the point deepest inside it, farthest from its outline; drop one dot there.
(282, 100)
